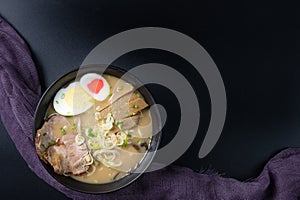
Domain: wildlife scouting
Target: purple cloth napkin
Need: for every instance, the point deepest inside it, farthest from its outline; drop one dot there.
(20, 91)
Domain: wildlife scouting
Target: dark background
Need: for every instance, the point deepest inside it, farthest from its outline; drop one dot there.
(256, 47)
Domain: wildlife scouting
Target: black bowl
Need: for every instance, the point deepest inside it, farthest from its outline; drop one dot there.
(40, 117)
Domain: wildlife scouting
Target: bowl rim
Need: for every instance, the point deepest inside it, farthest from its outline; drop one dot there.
(109, 186)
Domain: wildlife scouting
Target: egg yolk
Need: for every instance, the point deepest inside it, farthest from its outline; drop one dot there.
(77, 98)
(95, 86)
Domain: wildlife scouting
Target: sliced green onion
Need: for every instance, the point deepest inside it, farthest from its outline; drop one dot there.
(63, 131)
(89, 133)
(93, 144)
(43, 146)
(119, 88)
(125, 142)
(74, 126)
(52, 143)
(118, 123)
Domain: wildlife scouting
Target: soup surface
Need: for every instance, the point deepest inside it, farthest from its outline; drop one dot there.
(98, 129)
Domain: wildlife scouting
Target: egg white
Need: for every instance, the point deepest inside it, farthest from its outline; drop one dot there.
(103, 93)
(61, 106)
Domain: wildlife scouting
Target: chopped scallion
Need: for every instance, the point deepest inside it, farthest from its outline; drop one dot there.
(125, 142)
(90, 133)
(74, 126)
(118, 123)
(43, 146)
(63, 131)
(52, 143)
(119, 88)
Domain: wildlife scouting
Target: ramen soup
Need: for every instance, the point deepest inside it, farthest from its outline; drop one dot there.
(98, 129)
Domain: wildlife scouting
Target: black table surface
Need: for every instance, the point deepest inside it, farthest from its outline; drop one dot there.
(256, 47)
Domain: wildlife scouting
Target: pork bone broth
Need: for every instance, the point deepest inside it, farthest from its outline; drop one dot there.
(106, 140)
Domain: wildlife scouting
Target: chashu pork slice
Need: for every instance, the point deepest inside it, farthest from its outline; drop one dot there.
(69, 157)
(123, 108)
(125, 124)
(62, 152)
(48, 134)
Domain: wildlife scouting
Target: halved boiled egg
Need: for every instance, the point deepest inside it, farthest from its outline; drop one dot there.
(95, 85)
(72, 100)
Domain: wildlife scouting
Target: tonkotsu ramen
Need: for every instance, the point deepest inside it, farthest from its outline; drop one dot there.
(98, 129)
